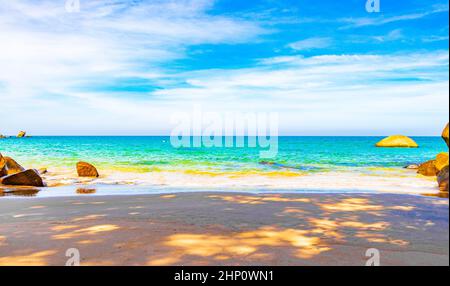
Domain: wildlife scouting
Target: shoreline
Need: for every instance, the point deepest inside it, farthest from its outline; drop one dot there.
(394, 181)
(225, 229)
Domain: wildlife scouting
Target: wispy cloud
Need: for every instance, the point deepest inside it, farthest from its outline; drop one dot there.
(46, 50)
(391, 36)
(382, 20)
(311, 44)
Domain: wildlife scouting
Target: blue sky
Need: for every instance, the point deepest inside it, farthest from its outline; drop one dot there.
(123, 67)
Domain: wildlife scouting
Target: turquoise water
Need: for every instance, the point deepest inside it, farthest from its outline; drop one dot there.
(146, 154)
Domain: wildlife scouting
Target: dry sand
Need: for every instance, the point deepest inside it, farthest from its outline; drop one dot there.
(225, 229)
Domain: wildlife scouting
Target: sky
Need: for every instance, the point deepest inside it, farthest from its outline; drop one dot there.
(327, 67)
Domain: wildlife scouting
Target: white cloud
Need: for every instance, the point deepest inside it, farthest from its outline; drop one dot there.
(46, 55)
(45, 49)
(322, 95)
(311, 44)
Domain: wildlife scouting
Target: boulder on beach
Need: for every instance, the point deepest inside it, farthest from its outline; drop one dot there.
(428, 169)
(397, 141)
(22, 134)
(445, 134)
(443, 180)
(86, 170)
(441, 161)
(12, 167)
(2, 166)
(26, 178)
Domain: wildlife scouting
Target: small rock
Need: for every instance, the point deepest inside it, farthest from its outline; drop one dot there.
(86, 170)
(22, 134)
(397, 141)
(412, 167)
(443, 180)
(42, 171)
(26, 178)
(428, 169)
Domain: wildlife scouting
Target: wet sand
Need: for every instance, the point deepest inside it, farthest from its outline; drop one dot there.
(225, 229)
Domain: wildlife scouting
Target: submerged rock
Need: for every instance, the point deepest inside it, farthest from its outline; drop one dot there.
(445, 135)
(86, 170)
(22, 134)
(397, 141)
(443, 180)
(26, 178)
(428, 169)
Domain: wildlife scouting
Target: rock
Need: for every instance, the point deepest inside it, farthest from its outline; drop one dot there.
(428, 169)
(25, 178)
(445, 134)
(443, 180)
(412, 167)
(12, 167)
(2, 166)
(441, 161)
(21, 134)
(86, 170)
(397, 141)
(42, 171)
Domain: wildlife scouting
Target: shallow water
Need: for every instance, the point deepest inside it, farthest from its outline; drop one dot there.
(309, 164)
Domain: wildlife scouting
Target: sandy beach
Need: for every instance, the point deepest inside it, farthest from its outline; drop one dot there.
(225, 229)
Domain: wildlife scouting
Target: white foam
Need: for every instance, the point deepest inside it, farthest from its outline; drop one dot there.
(393, 181)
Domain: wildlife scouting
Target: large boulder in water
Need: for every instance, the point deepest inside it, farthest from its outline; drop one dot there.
(397, 141)
(443, 180)
(25, 178)
(428, 169)
(86, 170)
(445, 134)
(21, 134)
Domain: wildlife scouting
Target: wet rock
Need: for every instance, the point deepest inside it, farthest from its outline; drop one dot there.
(12, 167)
(397, 141)
(428, 169)
(26, 178)
(86, 170)
(443, 180)
(22, 134)
(2, 166)
(445, 134)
